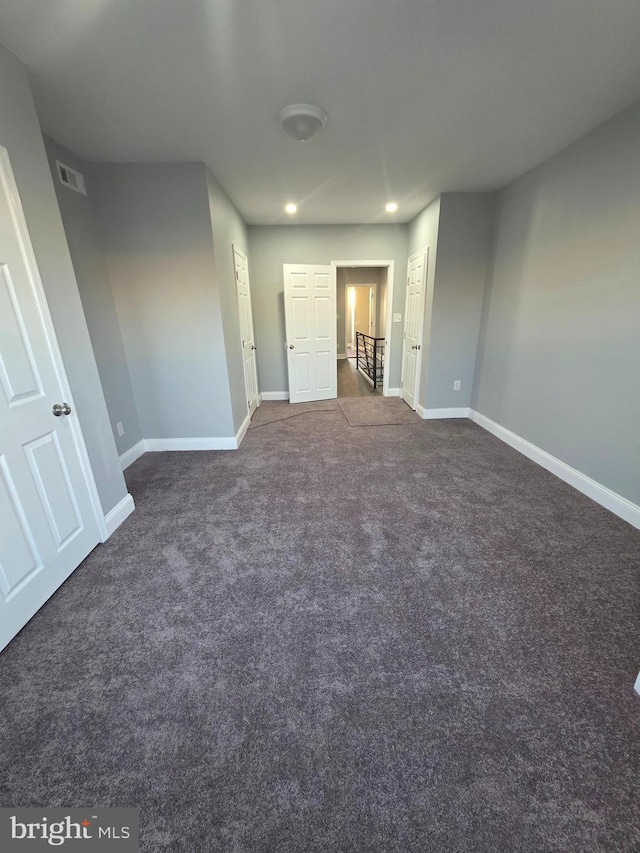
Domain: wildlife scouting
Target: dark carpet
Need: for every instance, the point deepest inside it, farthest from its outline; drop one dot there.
(342, 639)
(376, 411)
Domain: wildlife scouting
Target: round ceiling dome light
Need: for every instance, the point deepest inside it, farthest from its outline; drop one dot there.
(302, 121)
(391, 207)
(291, 208)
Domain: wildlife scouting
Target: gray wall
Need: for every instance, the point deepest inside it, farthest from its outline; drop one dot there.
(97, 300)
(155, 226)
(359, 275)
(559, 356)
(20, 134)
(229, 229)
(464, 243)
(272, 246)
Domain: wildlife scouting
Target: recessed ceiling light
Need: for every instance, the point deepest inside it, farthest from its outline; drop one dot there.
(291, 208)
(391, 207)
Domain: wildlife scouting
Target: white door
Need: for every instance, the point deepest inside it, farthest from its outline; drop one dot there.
(246, 329)
(310, 320)
(47, 519)
(413, 327)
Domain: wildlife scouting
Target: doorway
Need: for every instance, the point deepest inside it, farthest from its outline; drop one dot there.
(361, 328)
(315, 342)
(360, 314)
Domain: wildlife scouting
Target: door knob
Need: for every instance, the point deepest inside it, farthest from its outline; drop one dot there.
(290, 346)
(253, 346)
(61, 409)
(414, 346)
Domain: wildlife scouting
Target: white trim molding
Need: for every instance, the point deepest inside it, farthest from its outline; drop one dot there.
(602, 495)
(391, 392)
(159, 445)
(275, 395)
(341, 356)
(440, 414)
(242, 430)
(129, 456)
(390, 266)
(636, 686)
(114, 518)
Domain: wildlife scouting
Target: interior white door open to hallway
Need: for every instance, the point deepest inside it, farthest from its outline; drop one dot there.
(310, 322)
(49, 508)
(413, 327)
(246, 328)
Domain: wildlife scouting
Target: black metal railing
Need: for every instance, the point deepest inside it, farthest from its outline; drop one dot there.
(370, 357)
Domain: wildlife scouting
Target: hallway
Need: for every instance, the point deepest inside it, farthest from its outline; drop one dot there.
(351, 383)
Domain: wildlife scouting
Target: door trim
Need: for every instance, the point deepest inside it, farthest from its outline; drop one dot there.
(387, 391)
(26, 247)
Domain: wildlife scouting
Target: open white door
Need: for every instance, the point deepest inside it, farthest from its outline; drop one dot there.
(310, 320)
(48, 524)
(413, 327)
(246, 329)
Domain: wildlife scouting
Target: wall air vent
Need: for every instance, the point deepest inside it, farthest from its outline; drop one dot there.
(70, 178)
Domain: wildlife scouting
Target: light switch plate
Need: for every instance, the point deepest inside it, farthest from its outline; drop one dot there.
(397, 318)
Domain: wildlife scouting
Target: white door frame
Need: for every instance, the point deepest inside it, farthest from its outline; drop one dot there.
(386, 391)
(22, 230)
(420, 356)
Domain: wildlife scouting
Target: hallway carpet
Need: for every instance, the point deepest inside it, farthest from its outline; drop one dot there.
(351, 383)
(262, 663)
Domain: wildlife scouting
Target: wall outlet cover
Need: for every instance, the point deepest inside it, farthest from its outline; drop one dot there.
(120, 429)
(456, 385)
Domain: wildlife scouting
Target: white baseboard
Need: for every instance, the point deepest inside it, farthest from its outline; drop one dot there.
(260, 398)
(391, 392)
(637, 684)
(133, 453)
(114, 518)
(342, 355)
(437, 414)
(156, 445)
(244, 426)
(607, 498)
(275, 395)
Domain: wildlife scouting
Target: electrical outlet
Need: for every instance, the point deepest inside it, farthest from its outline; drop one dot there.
(120, 429)
(456, 385)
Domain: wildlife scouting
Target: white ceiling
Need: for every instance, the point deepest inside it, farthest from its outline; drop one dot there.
(423, 96)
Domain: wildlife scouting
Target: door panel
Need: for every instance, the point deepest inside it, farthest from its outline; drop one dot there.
(51, 477)
(47, 521)
(246, 329)
(310, 320)
(413, 328)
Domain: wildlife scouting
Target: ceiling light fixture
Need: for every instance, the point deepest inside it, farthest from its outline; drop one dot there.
(391, 207)
(302, 121)
(291, 208)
